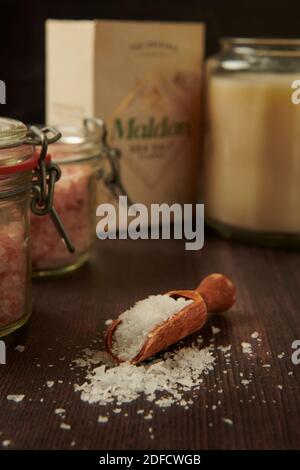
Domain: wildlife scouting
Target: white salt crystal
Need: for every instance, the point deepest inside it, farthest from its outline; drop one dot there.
(65, 426)
(108, 322)
(102, 419)
(245, 382)
(59, 411)
(225, 349)
(246, 348)
(228, 421)
(215, 330)
(140, 320)
(280, 387)
(6, 443)
(16, 398)
(49, 383)
(20, 348)
(254, 335)
(165, 402)
(281, 355)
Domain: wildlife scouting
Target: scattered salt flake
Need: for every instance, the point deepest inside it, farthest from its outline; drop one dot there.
(102, 419)
(117, 410)
(148, 416)
(172, 375)
(73, 443)
(225, 349)
(60, 381)
(254, 335)
(20, 348)
(16, 398)
(166, 402)
(6, 443)
(50, 383)
(108, 322)
(281, 355)
(228, 421)
(65, 426)
(41, 400)
(140, 412)
(246, 348)
(215, 330)
(214, 407)
(290, 373)
(280, 387)
(266, 365)
(59, 411)
(245, 382)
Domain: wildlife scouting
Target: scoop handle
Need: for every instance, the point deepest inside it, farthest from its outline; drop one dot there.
(218, 292)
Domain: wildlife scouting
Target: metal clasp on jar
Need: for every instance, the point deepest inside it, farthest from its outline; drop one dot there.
(45, 175)
(112, 179)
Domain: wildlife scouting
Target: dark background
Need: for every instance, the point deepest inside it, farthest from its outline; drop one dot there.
(22, 34)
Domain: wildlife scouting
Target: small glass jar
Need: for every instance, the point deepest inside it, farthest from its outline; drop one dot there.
(24, 180)
(252, 155)
(82, 155)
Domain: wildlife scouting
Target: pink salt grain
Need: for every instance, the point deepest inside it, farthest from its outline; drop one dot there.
(73, 204)
(13, 265)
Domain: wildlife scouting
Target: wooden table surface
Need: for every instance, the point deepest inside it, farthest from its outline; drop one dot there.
(69, 314)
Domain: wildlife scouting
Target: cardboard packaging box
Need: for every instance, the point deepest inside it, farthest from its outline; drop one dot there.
(144, 79)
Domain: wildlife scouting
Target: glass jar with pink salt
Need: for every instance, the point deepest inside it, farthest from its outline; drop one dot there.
(83, 157)
(27, 179)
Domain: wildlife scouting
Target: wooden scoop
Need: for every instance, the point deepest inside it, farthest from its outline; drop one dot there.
(215, 293)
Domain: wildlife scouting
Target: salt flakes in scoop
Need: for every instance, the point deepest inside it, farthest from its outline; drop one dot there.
(138, 322)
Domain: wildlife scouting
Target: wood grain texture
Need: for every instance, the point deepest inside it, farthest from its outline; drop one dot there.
(69, 313)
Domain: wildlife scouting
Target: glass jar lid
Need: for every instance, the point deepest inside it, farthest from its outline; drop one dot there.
(79, 143)
(14, 154)
(12, 132)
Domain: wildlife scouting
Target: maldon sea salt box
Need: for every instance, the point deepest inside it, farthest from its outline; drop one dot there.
(144, 79)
